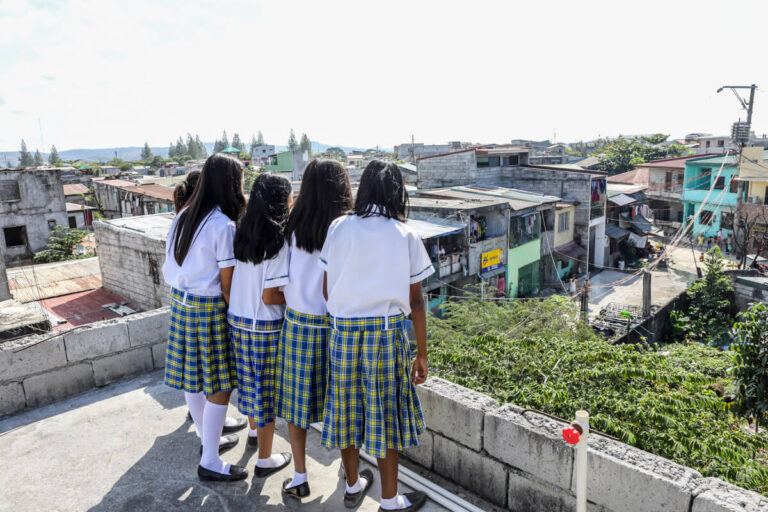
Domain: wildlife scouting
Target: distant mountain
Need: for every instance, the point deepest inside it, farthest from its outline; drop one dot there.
(131, 153)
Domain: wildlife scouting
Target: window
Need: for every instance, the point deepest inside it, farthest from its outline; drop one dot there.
(705, 217)
(721, 143)
(563, 221)
(709, 143)
(9, 190)
(494, 161)
(514, 160)
(720, 183)
(51, 225)
(734, 187)
(524, 229)
(15, 236)
(72, 222)
(726, 220)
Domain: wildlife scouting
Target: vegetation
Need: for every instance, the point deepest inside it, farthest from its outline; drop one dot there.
(673, 402)
(53, 156)
(750, 345)
(622, 154)
(709, 318)
(61, 246)
(25, 157)
(292, 143)
(193, 149)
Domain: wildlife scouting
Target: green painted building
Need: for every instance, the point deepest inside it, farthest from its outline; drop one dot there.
(280, 162)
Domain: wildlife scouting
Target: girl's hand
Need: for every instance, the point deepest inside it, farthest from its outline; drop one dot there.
(419, 370)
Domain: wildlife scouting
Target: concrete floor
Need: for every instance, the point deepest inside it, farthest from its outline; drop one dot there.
(129, 447)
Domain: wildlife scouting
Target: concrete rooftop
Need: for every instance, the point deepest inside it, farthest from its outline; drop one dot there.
(129, 447)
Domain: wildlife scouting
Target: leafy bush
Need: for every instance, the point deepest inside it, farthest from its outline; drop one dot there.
(61, 245)
(750, 344)
(537, 354)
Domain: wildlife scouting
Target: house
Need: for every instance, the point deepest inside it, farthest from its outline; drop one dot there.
(477, 165)
(627, 216)
(31, 205)
(263, 153)
(355, 160)
(715, 144)
(280, 162)
(121, 198)
(109, 170)
(413, 151)
(79, 216)
(753, 176)
(709, 194)
(77, 193)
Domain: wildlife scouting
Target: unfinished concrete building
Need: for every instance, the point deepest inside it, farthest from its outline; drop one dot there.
(31, 205)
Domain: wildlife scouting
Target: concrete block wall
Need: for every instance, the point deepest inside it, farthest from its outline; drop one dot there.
(55, 366)
(522, 463)
(131, 264)
(447, 171)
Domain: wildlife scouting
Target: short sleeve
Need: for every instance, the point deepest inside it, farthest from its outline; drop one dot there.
(276, 270)
(420, 264)
(225, 246)
(323, 260)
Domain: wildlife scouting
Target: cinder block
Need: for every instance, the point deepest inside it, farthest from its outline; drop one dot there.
(454, 411)
(149, 327)
(474, 471)
(38, 358)
(158, 354)
(532, 443)
(526, 494)
(100, 339)
(714, 495)
(620, 475)
(11, 398)
(115, 367)
(57, 384)
(423, 453)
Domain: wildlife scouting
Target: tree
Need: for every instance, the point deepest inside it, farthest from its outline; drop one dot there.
(53, 157)
(709, 316)
(201, 146)
(157, 161)
(61, 245)
(237, 143)
(225, 140)
(292, 144)
(146, 153)
(171, 150)
(25, 157)
(38, 159)
(305, 144)
(254, 144)
(623, 154)
(750, 346)
(181, 148)
(260, 139)
(337, 153)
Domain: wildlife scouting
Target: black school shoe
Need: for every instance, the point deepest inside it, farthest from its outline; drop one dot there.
(253, 442)
(417, 499)
(237, 427)
(265, 472)
(353, 500)
(235, 473)
(297, 491)
(231, 442)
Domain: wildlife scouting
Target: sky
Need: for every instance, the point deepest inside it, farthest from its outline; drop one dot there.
(91, 74)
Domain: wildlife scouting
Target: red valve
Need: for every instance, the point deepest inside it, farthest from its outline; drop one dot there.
(571, 435)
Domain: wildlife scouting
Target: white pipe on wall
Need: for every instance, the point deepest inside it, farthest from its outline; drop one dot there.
(582, 418)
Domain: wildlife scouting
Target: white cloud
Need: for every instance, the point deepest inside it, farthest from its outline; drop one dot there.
(359, 73)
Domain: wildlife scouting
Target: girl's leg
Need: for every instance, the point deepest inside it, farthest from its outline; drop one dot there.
(390, 500)
(298, 437)
(214, 415)
(350, 457)
(266, 459)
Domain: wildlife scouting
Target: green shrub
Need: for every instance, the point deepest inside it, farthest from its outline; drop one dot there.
(750, 371)
(61, 245)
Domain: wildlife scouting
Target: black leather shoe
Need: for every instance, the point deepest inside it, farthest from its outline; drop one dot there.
(353, 500)
(253, 442)
(297, 491)
(231, 442)
(235, 473)
(239, 425)
(417, 499)
(265, 472)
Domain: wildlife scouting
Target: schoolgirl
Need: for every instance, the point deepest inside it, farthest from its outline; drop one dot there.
(256, 311)
(374, 264)
(182, 193)
(198, 267)
(325, 194)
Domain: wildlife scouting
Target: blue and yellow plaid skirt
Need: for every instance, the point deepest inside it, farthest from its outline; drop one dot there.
(371, 401)
(199, 356)
(302, 368)
(255, 343)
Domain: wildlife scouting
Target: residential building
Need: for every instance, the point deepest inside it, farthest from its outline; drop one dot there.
(552, 155)
(709, 194)
(109, 170)
(263, 153)
(627, 216)
(753, 175)
(355, 160)
(121, 198)
(77, 193)
(478, 165)
(79, 216)
(31, 205)
(414, 151)
(280, 162)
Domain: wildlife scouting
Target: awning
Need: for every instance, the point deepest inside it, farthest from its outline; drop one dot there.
(639, 241)
(435, 227)
(615, 232)
(622, 200)
(641, 224)
(571, 250)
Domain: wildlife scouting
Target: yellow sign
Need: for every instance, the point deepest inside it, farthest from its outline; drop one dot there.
(491, 260)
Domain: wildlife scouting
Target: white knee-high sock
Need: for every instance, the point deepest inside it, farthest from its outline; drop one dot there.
(213, 422)
(196, 404)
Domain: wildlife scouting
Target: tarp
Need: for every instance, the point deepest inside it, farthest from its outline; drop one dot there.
(638, 240)
(622, 200)
(434, 228)
(571, 250)
(641, 224)
(616, 232)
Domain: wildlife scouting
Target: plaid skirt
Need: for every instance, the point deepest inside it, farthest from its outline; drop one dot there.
(199, 356)
(371, 401)
(302, 368)
(255, 343)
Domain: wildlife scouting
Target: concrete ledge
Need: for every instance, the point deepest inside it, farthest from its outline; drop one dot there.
(470, 469)
(115, 367)
(99, 339)
(526, 494)
(714, 495)
(51, 386)
(11, 398)
(423, 454)
(149, 327)
(531, 443)
(158, 354)
(35, 359)
(454, 411)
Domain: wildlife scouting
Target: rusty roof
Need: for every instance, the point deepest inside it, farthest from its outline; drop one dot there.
(37, 282)
(75, 188)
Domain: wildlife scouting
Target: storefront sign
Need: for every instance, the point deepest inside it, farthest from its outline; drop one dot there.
(491, 260)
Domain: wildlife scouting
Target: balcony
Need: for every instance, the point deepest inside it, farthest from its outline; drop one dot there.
(664, 190)
(448, 268)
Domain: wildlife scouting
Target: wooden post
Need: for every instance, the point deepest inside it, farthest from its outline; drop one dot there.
(646, 294)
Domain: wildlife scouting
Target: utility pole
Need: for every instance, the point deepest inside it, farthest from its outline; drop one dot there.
(646, 293)
(413, 150)
(740, 134)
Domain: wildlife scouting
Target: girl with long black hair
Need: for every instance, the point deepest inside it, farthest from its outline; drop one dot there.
(256, 311)
(199, 262)
(325, 195)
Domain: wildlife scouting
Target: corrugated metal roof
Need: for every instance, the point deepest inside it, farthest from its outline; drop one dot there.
(622, 199)
(37, 282)
(434, 227)
(75, 188)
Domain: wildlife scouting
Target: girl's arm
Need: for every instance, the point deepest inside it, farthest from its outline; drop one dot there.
(325, 285)
(420, 368)
(273, 296)
(226, 282)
